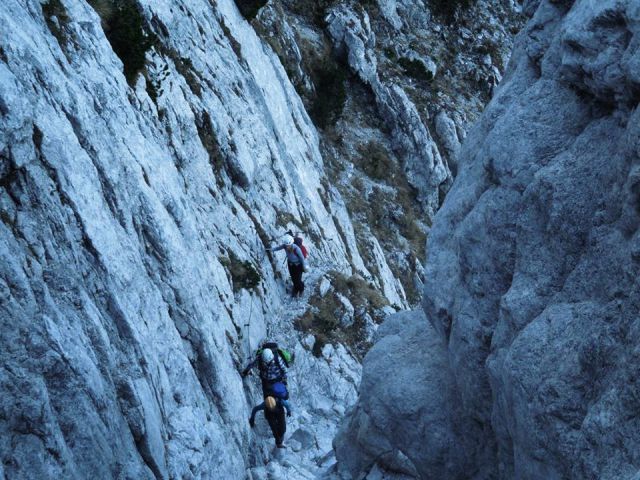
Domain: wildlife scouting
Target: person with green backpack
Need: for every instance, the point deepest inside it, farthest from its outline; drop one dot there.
(272, 362)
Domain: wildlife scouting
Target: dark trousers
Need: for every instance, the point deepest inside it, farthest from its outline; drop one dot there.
(277, 422)
(295, 270)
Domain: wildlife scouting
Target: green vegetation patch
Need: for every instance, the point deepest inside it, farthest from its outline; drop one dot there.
(211, 144)
(57, 19)
(396, 211)
(329, 79)
(375, 160)
(235, 45)
(389, 214)
(243, 274)
(185, 68)
(315, 10)
(322, 319)
(250, 8)
(489, 47)
(284, 219)
(359, 292)
(400, 218)
(415, 69)
(123, 25)
(447, 9)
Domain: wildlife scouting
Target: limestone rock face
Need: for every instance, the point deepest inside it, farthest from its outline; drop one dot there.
(374, 76)
(425, 169)
(134, 217)
(532, 270)
(141, 183)
(448, 135)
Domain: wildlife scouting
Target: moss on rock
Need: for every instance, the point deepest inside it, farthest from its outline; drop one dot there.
(124, 27)
(243, 274)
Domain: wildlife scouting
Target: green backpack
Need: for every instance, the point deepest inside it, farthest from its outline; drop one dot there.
(286, 355)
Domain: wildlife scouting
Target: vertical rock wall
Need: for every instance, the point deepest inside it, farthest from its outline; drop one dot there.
(134, 280)
(532, 274)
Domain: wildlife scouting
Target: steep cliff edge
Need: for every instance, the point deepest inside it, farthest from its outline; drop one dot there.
(532, 272)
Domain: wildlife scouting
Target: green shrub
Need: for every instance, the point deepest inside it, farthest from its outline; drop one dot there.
(322, 320)
(283, 219)
(243, 273)
(360, 292)
(123, 25)
(396, 215)
(250, 8)
(488, 47)
(152, 90)
(370, 6)
(416, 69)
(375, 161)
(235, 45)
(104, 8)
(389, 53)
(185, 68)
(447, 8)
(211, 144)
(331, 93)
(314, 10)
(57, 20)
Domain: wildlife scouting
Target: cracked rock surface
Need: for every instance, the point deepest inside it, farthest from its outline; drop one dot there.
(134, 282)
(139, 191)
(532, 274)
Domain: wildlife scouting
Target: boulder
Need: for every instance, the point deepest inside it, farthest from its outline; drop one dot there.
(402, 420)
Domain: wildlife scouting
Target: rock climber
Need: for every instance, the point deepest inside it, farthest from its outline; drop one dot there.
(274, 409)
(295, 262)
(272, 367)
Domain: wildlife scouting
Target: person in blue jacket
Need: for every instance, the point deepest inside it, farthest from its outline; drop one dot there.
(296, 264)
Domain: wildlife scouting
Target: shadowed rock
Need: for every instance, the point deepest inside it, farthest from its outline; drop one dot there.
(532, 275)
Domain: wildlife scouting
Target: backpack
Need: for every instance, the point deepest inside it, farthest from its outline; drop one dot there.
(279, 390)
(298, 241)
(285, 355)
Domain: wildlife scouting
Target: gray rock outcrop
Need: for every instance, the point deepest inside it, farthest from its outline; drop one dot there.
(424, 167)
(448, 135)
(143, 171)
(403, 420)
(374, 75)
(533, 267)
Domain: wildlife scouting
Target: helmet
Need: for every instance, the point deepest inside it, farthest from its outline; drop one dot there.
(270, 403)
(288, 240)
(267, 355)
